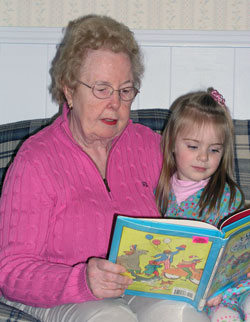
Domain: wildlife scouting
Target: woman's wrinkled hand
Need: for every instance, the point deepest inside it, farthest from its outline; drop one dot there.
(104, 278)
(214, 301)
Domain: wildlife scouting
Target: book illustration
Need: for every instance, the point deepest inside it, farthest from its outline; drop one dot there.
(182, 259)
(158, 263)
(234, 262)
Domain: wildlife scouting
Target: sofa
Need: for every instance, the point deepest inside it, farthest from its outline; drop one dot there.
(12, 136)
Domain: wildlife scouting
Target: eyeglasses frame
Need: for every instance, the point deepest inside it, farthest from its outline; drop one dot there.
(113, 90)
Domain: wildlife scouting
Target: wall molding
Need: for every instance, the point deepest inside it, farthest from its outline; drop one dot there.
(42, 35)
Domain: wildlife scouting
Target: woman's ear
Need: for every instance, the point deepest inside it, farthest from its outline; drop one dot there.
(68, 92)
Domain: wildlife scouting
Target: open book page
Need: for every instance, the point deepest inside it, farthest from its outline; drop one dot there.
(183, 222)
(234, 218)
(234, 263)
(233, 225)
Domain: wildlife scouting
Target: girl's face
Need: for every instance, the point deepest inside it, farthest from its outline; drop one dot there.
(198, 152)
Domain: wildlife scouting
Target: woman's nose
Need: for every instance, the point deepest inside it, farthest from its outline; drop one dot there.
(115, 99)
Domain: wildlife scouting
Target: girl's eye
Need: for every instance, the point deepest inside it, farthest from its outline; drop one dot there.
(215, 150)
(192, 147)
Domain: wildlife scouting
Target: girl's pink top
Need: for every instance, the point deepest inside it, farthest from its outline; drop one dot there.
(56, 212)
(185, 188)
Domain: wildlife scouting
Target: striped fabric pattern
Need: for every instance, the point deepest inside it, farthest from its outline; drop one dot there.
(242, 156)
(11, 314)
(13, 134)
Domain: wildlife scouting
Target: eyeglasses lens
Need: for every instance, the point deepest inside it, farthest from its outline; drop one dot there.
(105, 91)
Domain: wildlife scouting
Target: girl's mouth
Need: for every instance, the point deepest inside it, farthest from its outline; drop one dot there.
(199, 169)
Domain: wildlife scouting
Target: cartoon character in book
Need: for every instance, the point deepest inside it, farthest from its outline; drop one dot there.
(131, 259)
(193, 274)
(166, 257)
(131, 251)
(164, 285)
(185, 269)
(152, 268)
(242, 259)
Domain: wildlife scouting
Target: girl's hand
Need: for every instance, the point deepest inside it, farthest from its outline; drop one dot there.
(104, 278)
(215, 300)
(248, 275)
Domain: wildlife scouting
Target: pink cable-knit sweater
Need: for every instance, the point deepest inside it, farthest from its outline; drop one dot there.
(56, 212)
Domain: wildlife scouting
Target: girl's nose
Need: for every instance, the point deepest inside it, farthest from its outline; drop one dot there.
(202, 156)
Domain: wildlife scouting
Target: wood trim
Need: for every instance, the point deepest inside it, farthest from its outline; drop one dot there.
(41, 35)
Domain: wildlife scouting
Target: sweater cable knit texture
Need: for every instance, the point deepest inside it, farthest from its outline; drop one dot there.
(56, 210)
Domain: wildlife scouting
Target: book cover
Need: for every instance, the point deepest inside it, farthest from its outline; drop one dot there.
(178, 259)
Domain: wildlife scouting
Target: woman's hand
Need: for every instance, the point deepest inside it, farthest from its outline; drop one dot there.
(214, 301)
(104, 278)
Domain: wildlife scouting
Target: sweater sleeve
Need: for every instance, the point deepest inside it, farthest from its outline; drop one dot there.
(26, 215)
(225, 210)
(224, 205)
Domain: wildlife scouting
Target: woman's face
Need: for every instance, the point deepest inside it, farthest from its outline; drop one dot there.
(93, 119)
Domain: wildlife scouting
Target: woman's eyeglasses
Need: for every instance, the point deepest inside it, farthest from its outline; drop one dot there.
(103, 91)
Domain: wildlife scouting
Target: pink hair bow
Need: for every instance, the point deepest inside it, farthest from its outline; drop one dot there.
(218, 97)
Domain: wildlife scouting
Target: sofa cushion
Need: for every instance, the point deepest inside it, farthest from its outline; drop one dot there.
(154, 118)
(242, 156)
(12, 136)
(11, 314)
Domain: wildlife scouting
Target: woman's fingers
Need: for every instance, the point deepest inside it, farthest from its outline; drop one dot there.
(105, 279)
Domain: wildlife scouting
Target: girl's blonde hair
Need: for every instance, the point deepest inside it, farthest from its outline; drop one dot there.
(91, 32)
(190, 110)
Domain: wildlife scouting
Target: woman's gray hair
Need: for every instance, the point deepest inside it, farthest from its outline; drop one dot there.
(81, 35)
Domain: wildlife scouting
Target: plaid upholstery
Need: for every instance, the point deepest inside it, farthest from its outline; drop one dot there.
(242, 156)
(153, 118)
(12, 136)
(11, 314)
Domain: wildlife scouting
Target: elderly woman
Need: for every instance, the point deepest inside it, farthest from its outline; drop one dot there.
(67, 182)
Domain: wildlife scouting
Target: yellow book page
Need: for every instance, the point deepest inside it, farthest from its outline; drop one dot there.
(163, 264)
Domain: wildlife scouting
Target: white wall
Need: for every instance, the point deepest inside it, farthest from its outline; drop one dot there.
(176, 62)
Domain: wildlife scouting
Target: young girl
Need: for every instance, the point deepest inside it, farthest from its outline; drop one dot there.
(197, 182)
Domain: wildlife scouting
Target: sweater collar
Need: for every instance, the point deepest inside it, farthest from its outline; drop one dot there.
(185, 188)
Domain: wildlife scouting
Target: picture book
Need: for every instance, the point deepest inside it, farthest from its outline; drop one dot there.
(181, 259)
